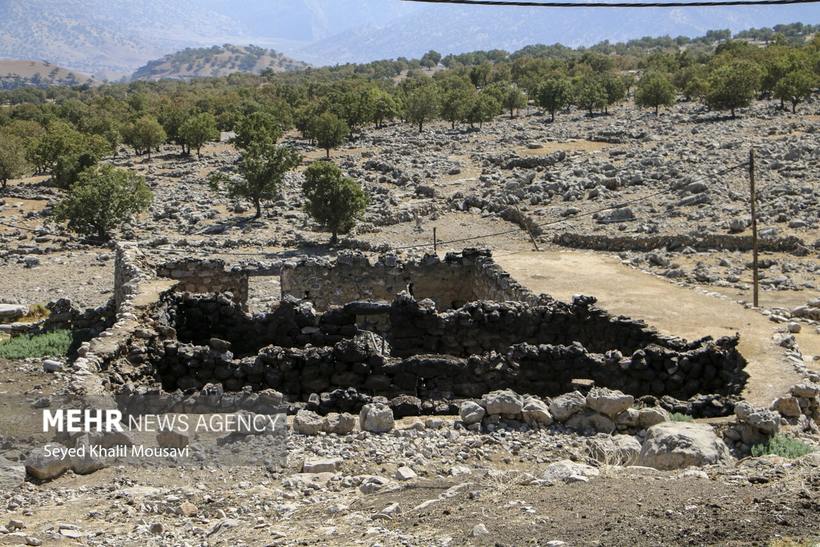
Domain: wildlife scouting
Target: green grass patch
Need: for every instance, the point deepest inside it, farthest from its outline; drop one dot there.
(50, 344)
(780, 445)
(678, 417)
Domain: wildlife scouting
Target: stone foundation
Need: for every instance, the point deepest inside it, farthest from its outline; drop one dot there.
(334, 357)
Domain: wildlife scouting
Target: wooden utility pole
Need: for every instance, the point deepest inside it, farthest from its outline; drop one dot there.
(755, 279)
(435, 241)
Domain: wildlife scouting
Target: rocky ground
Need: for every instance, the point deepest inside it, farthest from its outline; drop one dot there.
(675, 174)
(430, 481)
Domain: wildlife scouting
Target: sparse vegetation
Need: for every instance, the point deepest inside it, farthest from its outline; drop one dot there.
(50, 344)
(781, 445)
(217, 61)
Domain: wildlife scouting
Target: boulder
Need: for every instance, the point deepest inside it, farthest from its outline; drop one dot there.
(589, 420)
(647, 417)
(12, 474)
(321, 465)
(536, 412)
(307, 422)
(372, 484)
(564, 406)
(471, 412)
(787, 406)
(615, 450)
(674, 445)
(46, 463)
(608, 402)
(52, 365)
(628, 418)
(502, 401)
(806, 390)
(376, 418)
(405, 473)
(405, 405)
(12, 312)
(568, 471)
(84, 463)
(172, 439)
(340, 424)
(766, 421)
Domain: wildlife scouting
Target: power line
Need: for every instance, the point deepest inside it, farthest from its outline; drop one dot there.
(696, 3)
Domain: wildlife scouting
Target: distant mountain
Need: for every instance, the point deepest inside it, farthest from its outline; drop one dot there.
(15, 73)
(107, 37)
(458, 29)
(112, 38)
(216, 61)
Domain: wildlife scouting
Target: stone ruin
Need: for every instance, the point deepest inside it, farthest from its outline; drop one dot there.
(420, 335)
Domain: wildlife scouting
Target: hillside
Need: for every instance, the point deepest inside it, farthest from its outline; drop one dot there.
(451, 29)
(14, 74)
(216, 61)
(106, 38)
(112, 38)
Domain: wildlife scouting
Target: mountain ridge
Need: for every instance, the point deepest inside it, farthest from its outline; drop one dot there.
(216, 61)
(113, 38)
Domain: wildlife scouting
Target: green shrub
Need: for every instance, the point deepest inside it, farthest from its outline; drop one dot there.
(780, 445)
(50, 344)
(678, 417)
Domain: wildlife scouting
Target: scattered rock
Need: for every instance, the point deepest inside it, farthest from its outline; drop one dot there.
(47, 463)
(674, 445)
(568, 471)
(471, 412)
(376, 418)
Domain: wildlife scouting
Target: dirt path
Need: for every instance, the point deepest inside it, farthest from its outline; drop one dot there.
(670, 308)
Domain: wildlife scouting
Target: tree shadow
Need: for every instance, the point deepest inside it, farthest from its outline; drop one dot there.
(224, 225)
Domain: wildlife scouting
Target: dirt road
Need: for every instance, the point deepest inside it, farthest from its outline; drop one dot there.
(670, 308)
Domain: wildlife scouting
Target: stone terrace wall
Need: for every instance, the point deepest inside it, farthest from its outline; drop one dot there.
(318, 353)
(543, 370)
(704, 242)
(207, 276)
(458, 278)
(416, 327)
(197, 318)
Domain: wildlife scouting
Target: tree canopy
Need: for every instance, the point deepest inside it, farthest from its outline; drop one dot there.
(102, 199)
(333, 200)
(261, 170)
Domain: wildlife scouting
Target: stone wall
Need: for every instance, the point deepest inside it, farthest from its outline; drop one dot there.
(544, 370)
(704, 242)
(451, 282)
(207, 276)
(435, 356)
(198, 318)
(417, 327)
